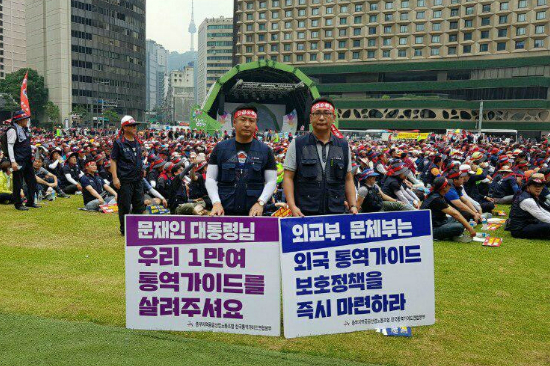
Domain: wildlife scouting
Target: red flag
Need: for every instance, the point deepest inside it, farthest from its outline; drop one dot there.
(336, 132)
(24, 98)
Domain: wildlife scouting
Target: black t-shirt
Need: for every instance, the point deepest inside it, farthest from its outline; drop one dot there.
(245, 148)
(436, 203)
(391, 185)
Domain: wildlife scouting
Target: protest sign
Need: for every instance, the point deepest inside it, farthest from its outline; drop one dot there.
(356, 272)
(193, 273)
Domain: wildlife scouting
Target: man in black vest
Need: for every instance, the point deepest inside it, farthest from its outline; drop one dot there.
(318, 179)
(20, 155)
(528, 219)
(242, 173)
(127, 170)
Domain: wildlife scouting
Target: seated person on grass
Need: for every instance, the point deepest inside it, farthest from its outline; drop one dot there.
(95, 191)
(456, 198)
(46, 181)
(372, 199)
(444, 227)
(528, 219)
(6, 183)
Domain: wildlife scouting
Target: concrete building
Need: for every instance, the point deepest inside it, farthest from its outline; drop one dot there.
(422, 64)
(157, 57)
(181, 94)
(214, 53)
(13, 45)
(91, 53)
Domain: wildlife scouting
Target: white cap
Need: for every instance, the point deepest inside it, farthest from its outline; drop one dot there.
(127, 121)
(466, 168)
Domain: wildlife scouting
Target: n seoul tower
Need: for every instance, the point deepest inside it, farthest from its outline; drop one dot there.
(192, 26)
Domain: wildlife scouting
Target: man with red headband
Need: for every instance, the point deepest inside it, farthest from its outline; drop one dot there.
(242, 173)
(95, 191)
(127, 170)
(317, 178)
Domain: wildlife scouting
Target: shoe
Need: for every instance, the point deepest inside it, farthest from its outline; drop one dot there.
(21, 208)
(34, 206)
(464, 238)
(122, 233)
(63, 195)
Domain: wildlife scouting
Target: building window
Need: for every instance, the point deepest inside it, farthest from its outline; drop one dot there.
(520, 45)
(288, 47)
(503, 32)
(330, 10)
(342, 32)
(286, 58)
(356, 55)
(388, 29)
(453, 37)
(467, 49)
(403, 41)
(342, 44)
(386, 42)
(468, 36)
(327, 56)
(419, 40)
(539, 43)
(434, 52)
(328, 33)
(454, 12)
(521, 31)
(436, 39)
(371, 54)
(402, 53)
(314, 34)
(356, 43)
(453, 25)
(418, 52)
(357, 20)
(404, 16)
(503, 19)
(404, 29)
(541, 15)
(341, 55)
(373, 7)
(300, 58)
(313, 57)
(485, 21)
(315, 23)
(436, 14)
(421, 3)
(357, 31)
(484, 34)
(386, 54)
(484, 47)
(388, 5)
(501, 46)
(300, 46)
(328, 21)
(451, 51)
(373, 18)
(541, 2)
(522, 17)
(405, 4)
(388, 17)
(421, 15)
(328, 44)
(468, 23)
(522, 4)
(372, 30)
(343, 21)
(469, 10)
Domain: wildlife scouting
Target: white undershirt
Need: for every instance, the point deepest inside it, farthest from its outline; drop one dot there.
(538, 212)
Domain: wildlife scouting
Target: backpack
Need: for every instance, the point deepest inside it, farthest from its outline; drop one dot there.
(4, 141)
(373, 201)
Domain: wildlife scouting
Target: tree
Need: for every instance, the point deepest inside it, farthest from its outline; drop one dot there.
(112, 116)
(36, 90)
(52, 112)
(81, 111)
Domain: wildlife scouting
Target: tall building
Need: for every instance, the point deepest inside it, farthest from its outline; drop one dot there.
(422, 64)
(91, 53)
(214, 54)
(157, 58)
(181, 94)
(13, 44)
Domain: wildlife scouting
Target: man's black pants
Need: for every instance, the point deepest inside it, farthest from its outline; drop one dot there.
(26, 173)
(130, 197)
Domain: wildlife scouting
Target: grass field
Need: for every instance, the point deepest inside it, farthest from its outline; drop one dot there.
(62, 302)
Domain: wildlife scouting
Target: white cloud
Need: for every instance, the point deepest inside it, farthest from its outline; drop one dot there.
(168, 20)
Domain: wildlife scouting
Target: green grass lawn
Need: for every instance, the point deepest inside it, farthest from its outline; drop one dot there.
(62, 280)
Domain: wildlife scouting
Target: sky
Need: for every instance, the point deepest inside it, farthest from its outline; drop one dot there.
(168, 20)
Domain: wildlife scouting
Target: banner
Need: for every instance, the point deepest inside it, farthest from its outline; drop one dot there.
(25, 106)
(412, 136)
(350, 273)
(194, 273)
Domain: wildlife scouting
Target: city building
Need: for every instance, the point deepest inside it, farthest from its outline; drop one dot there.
(181, 94)
(91, 54)
(411, 64)
(13, 42)
(215, 53)
(157, 58)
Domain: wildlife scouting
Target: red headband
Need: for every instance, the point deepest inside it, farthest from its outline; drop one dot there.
(322, 105)
(445, 184)
(245, 112)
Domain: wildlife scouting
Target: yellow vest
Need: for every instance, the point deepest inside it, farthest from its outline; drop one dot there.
(6, 183)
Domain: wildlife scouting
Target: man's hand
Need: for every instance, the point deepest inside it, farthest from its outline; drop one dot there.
(489, 199)
(79, 187)
(353, 210)
(116, 183)
(477, 218)
(14, 167)
(164, 203)
(296, 212)
(256, 210)
(217, 209)
(472, 231)
(52, 185)
(101, 201)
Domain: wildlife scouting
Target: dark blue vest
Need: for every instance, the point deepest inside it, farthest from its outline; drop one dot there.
(239, 191)
(518, 217)
(22, 149)
(319, 192)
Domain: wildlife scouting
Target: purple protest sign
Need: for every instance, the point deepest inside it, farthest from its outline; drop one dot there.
(144, 230)
(194, 273)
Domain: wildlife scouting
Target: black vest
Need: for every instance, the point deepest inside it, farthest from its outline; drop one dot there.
(319, 192)
(427, 176)
(239, 195)
(518, 217)
(439, 218)
(373, 200)
(22, 149)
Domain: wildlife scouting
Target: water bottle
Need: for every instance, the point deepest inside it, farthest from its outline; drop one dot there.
(54, 193)
(472, 223)
(484, 224)
(40, 196)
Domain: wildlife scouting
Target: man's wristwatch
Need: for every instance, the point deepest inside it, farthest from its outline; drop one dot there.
(261, 203)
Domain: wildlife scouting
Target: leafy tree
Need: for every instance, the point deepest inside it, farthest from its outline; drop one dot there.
(82, 112)
(52, 112)
(112, 116)
(36, 90)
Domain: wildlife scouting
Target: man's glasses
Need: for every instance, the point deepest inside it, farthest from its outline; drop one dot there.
(325, 113)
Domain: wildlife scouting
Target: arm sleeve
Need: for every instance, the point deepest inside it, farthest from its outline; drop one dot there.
(531, 206)
(155, 193)
(401, 197)
(70, 179)
(53, 165)
(211, 183)
(11, 136)
(270, 185)
(290, 159)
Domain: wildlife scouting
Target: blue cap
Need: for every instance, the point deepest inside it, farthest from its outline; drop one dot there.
(368, 173)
